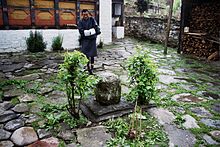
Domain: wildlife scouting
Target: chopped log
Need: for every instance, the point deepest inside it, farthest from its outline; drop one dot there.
(202, 38)
(214, 56)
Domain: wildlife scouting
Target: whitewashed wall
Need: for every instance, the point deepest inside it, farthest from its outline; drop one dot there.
(105, 20)
(14, 40)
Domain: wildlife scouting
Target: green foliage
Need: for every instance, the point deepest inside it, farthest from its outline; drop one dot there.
(56, 114)
(152, 133)
(176, 5)
(35, 42)
(57, 43)
(179, 120)
(142, 75)
(76, 78)
(142, 5)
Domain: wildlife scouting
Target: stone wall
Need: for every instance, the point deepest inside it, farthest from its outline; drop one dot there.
(152, 29)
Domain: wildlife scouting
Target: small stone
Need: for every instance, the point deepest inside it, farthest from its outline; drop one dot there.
(29, 77)
(93, 137)
(211, 123)
(67, 135)
(45, 90)
(215, 134)
(179, 110)
(7, 115)
(179, 137)
(14, 124)
(201, 112)
(187, 97)
(166, 71)
(190, 122)
(21, 108)
(164, 116)
(6, 106)
(72, 145)
(31, 118)
(167, 79)
(4, 135)
(212, 95)
(43, 133)
(24, 136)
(209, 140)
(216, 108)
(6, 144)
(52, 141)
(56, 97)
(12, 93)
(27, 98)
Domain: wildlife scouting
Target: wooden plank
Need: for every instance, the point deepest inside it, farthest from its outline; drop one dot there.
(19, 17)
(18, 3)
(87, 6)
(90, 7)
(1, 18)
(44, 4)
(67, 17)
(67, 5)
(44, 18)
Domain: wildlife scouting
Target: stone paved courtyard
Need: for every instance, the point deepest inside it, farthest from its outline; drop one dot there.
(188, 105)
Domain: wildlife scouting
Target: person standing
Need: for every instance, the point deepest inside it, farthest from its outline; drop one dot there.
(88, 29)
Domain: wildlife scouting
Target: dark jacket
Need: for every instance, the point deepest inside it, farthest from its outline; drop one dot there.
(86, 25)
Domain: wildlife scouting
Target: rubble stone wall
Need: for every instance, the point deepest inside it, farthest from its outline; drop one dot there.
(152, 29)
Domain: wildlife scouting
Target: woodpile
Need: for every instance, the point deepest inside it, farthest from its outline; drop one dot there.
(204, 29)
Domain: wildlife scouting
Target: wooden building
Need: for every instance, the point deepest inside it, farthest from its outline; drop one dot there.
(200, 28)
(53, 17)
(16, 14)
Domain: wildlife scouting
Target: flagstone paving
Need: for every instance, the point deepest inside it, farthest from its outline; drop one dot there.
(188, 109)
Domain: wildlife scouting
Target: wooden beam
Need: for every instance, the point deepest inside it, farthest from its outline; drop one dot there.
(57, 16)
(97, 11)
(5, 14)
(180, 48)
(77, 11)
(32, 12)
(168, 26)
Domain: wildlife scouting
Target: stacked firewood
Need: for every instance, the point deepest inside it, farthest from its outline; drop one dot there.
(204, 25)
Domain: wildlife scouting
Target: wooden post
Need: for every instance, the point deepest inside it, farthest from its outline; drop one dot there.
(56, 10)
(182, 24)
(77, 11)
(168, 26)
(5, 14)
(32, 12)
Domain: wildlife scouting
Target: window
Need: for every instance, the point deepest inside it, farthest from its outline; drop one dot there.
(117, 9)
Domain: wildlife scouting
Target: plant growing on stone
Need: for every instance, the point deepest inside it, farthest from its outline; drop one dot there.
(57, 43)
(35, 42)
(142, 75)
(77, 80)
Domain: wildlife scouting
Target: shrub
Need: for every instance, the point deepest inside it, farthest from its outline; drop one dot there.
(77, 80)
(35, 42)
(142, 75)
(57, 43)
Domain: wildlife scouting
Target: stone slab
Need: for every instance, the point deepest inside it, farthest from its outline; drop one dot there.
(96, 112)
(93, 137)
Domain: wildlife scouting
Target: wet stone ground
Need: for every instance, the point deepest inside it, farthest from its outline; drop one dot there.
(188, 105)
